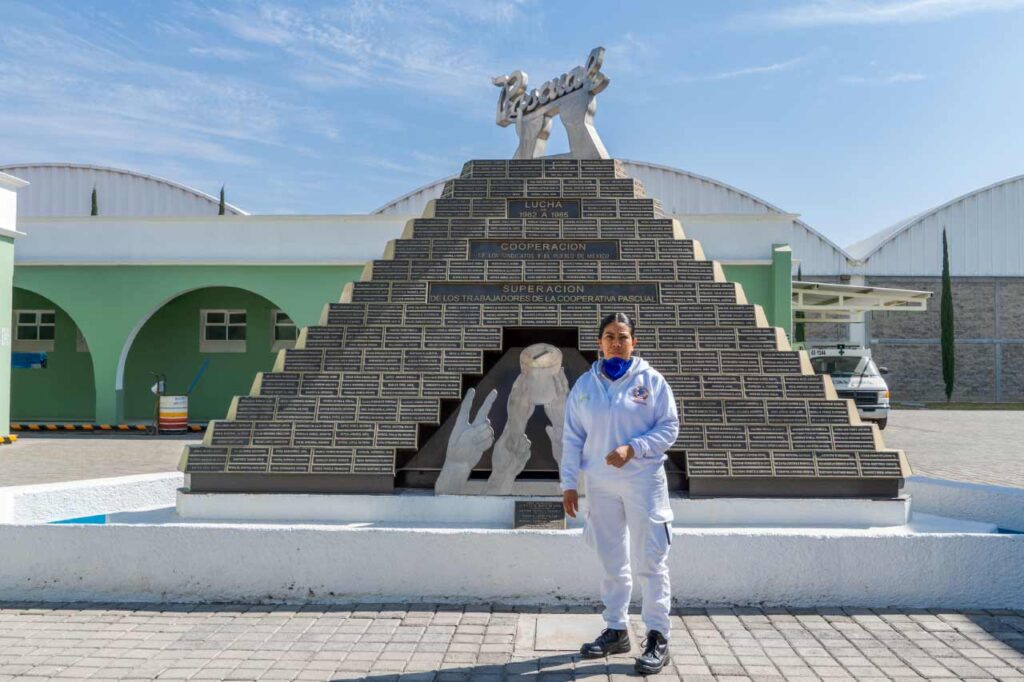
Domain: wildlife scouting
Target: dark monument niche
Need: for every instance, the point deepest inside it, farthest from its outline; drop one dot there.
(422, 469)
(517, 253)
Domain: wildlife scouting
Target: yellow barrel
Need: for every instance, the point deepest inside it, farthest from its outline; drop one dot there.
(173, 417)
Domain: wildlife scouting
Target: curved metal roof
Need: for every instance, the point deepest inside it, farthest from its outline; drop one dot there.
(865, 248)
(65, 189)
(985, 229)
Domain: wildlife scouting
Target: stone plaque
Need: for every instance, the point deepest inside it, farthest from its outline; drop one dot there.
(880, 464)
(272, 433)
(794, 464)
(547, 249)
(543, 292)
(539, 514)
(543, 208)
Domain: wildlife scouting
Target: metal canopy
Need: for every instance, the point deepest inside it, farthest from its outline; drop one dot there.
(825, 302)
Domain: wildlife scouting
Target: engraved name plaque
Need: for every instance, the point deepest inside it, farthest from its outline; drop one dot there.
(561, 249)
(543, 208)
(543, 292)
(539, 514)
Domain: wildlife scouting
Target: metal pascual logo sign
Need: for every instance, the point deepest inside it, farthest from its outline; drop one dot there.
(571, 96)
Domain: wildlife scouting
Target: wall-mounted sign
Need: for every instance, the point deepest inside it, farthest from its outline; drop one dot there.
(543, 208)
(546, 249)
(543, 292)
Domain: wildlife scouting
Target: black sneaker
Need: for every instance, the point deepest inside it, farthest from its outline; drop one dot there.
(655, 654)
(607, 643)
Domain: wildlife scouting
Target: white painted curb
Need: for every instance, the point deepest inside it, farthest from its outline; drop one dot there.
(221, 562)
(1001, 505)
(423, 507)
(74, 499)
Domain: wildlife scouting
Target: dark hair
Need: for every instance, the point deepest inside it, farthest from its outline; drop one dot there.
(616, 317)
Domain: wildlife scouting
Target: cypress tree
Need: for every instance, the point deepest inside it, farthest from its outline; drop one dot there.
(800, 333)
(95, 204)
(221, 210)
(946, 322)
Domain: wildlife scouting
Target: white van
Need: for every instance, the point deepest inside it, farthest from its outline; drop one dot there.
(855, 377)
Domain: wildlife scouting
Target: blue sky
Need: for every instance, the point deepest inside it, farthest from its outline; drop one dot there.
(855, 114)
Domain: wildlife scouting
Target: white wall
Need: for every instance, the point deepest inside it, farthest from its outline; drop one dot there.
(215, 239)
(313, 239)
(738, 237)
(9, 185)
(337, 563)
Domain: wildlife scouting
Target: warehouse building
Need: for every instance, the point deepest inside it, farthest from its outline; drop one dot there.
(985, 232)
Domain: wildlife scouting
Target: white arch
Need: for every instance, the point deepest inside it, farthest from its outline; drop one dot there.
(126, 348)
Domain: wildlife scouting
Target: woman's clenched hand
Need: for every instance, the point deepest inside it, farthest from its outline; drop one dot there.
(619, 456)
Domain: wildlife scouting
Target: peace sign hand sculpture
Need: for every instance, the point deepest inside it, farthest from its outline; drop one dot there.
(466, 445)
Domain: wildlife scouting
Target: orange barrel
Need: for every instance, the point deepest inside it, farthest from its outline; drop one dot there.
(173, 416)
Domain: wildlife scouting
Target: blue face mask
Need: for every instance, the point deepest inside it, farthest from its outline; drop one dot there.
(614, 368)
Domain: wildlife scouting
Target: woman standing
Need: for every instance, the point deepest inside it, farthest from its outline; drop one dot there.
(620, 418)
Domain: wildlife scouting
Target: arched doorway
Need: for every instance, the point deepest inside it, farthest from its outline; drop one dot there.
(233, 331)
(52, 371)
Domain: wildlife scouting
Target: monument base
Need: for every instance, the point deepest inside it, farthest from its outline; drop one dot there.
(289, 483)
(417, 508)
(837, 488)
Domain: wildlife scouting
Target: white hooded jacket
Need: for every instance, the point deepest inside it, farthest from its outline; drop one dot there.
(637, 409)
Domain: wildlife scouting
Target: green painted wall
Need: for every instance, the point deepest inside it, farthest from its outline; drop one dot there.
(169, 344)
(110, 304)
(63, 390)
(756, 281)
(782, 287)
(770, 286)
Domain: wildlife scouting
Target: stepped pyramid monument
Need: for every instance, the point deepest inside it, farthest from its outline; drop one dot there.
(446, 366)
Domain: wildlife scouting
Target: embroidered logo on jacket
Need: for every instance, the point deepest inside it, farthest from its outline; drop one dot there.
(640, 394)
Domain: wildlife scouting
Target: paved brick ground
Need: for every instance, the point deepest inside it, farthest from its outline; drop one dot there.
(51, 459)
(976, 446)
(409, 642)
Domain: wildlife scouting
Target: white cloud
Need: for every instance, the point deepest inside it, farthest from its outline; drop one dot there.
(228, 54)
(107, 95)
(746, 71)
(630, 54)
(890, 79)
(852, 12)
(402, 44)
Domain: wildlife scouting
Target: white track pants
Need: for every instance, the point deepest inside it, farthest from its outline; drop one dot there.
(631, 516)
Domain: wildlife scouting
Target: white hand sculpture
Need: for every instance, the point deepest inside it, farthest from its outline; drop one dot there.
(555, 411)
(512, 451)
(466, 445)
